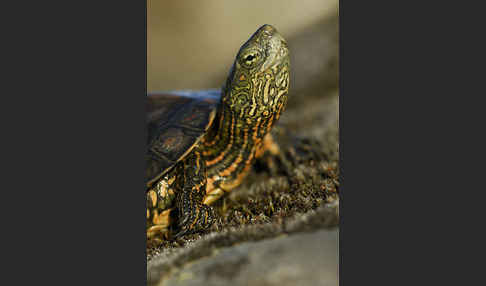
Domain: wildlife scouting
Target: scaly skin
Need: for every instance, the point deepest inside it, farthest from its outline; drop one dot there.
(254, 96)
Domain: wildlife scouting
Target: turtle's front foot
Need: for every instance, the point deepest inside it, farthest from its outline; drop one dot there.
(196, 219)
(194, 216)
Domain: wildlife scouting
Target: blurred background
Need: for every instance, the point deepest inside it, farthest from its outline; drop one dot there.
(192, 44)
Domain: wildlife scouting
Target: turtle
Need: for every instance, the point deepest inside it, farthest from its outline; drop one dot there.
(202, 144)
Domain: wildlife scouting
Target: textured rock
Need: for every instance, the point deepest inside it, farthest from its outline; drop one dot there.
(298, 259)
(171, 261)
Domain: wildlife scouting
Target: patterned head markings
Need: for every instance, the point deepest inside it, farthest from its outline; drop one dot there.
(259, 79)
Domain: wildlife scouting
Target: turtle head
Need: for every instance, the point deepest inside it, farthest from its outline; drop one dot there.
(259, 79)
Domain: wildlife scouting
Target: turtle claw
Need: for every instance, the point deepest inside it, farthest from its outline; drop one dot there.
(180, 233)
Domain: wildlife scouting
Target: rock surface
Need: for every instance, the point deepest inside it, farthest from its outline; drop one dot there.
(304, 249)
(300, 259)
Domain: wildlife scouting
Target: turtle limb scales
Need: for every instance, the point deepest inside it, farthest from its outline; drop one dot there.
(193, 216)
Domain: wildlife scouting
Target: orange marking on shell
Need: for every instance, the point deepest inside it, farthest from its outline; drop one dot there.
(242, 77)
(190, 118)
(169, 141)
(209, 100)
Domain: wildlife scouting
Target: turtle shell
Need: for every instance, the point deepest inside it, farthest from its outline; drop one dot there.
(176, 121)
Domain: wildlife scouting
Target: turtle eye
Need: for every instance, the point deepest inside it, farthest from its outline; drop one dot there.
(250, 58)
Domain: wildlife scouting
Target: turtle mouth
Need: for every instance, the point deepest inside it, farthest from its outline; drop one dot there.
(277, 50)
(272, 37)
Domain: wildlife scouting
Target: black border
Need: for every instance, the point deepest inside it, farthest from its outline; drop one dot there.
(75, 75)
(397, 73)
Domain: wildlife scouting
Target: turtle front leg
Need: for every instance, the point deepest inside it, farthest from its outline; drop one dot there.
(194, 216)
